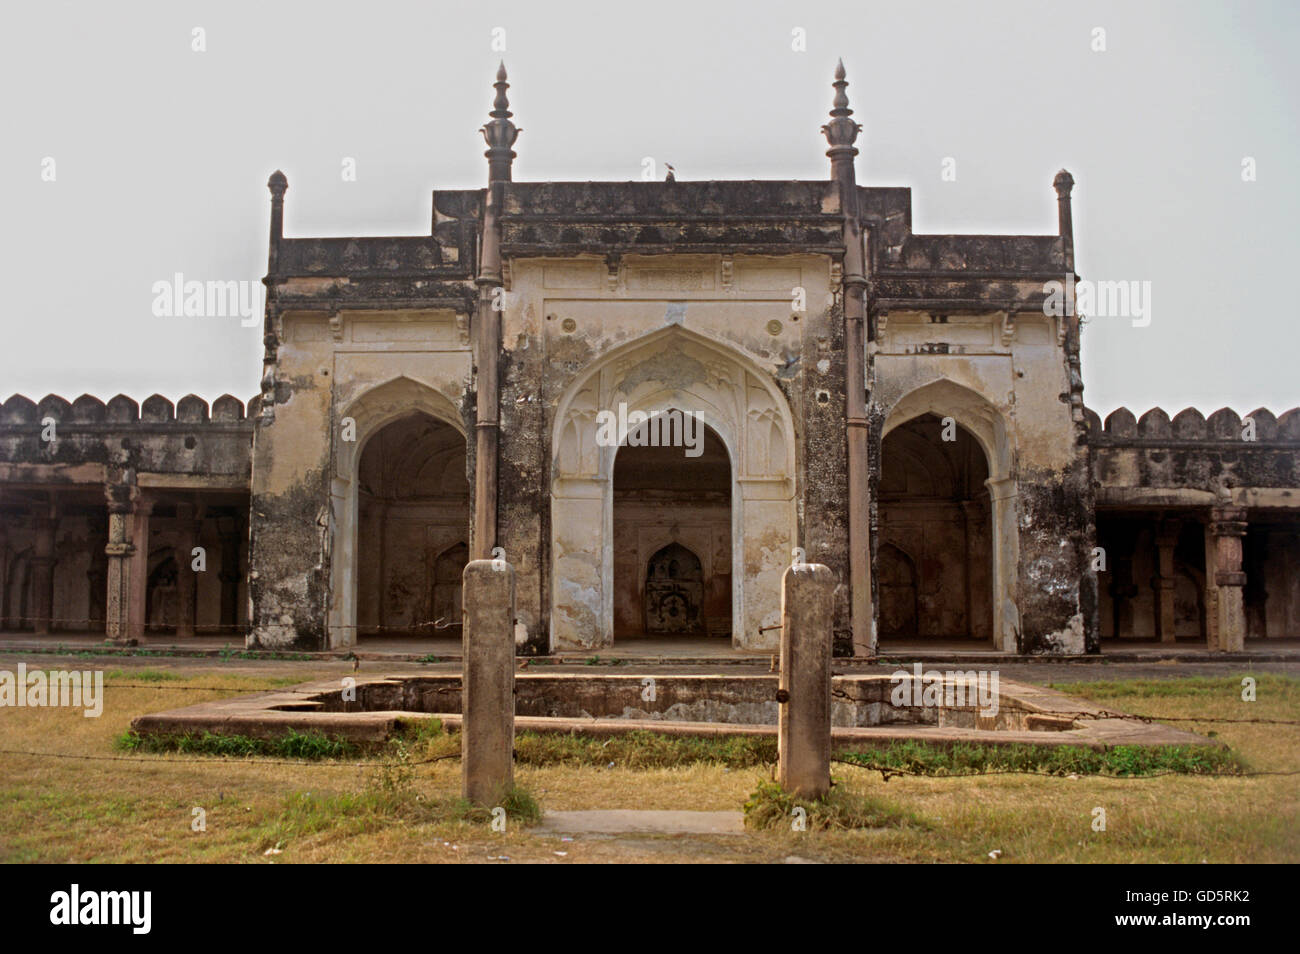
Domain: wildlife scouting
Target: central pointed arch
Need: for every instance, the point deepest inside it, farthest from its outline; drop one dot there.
(671, 369)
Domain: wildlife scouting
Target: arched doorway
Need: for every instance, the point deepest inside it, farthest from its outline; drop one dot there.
(934, 562)
(673, 368)
(412, 519)
(672, 536)
(352, 547)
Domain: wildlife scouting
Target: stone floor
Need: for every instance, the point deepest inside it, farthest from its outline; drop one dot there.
(684, 649)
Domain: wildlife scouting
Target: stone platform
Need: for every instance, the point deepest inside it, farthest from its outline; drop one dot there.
(603, 704)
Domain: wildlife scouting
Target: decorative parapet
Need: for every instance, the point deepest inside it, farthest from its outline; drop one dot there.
(572, 218)
(397, 257)
(955, 273)
(995, 255)
(447, 253)
(20, 410)
(1259, 427)
(1222, 453)
(189, 437)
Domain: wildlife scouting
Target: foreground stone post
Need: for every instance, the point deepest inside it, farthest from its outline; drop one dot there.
(804, 723)
(487, 733)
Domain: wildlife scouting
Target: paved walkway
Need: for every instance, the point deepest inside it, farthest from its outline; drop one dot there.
(626, 821)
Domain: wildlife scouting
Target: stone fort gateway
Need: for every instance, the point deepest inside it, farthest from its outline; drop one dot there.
(906, 409)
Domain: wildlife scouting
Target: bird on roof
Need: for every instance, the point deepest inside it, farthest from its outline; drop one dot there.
(672, 173)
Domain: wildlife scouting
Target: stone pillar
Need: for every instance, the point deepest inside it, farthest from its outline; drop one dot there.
(1228, 526)
(1166, 541)
(46, 523)
(138, 596)
(1004, 532)
(500, 133)
(187, 538)
(487, 731)
(804, 720)
(117, 599)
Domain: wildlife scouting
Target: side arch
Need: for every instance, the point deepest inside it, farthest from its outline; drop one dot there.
(381, 405)
(974, 412)
(371, 412)
(989, 427)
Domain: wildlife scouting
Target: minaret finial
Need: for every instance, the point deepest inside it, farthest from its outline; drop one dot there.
(500, 132)
(841, 131)
(278, 184)
(501, 105)
(1064, 185)
(841, 98)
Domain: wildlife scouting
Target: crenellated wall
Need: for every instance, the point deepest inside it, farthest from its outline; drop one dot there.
(102, 507)
(1198, 524)
(1193, 459)
(157, 437)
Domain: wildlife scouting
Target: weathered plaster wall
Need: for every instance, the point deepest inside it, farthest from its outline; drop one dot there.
(372, 367)
(1006, 379)
(710, 334)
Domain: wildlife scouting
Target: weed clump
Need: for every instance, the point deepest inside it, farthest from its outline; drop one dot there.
(772, 807)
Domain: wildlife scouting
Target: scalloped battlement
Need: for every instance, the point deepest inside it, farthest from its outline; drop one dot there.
(1190, 425)
(20, 410)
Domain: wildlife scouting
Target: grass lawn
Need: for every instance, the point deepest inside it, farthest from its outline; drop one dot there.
(141, 808)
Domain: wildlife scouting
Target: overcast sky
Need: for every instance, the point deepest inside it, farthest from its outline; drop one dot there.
(161, 154)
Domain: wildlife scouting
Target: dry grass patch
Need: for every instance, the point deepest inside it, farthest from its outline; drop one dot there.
(140, 809)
